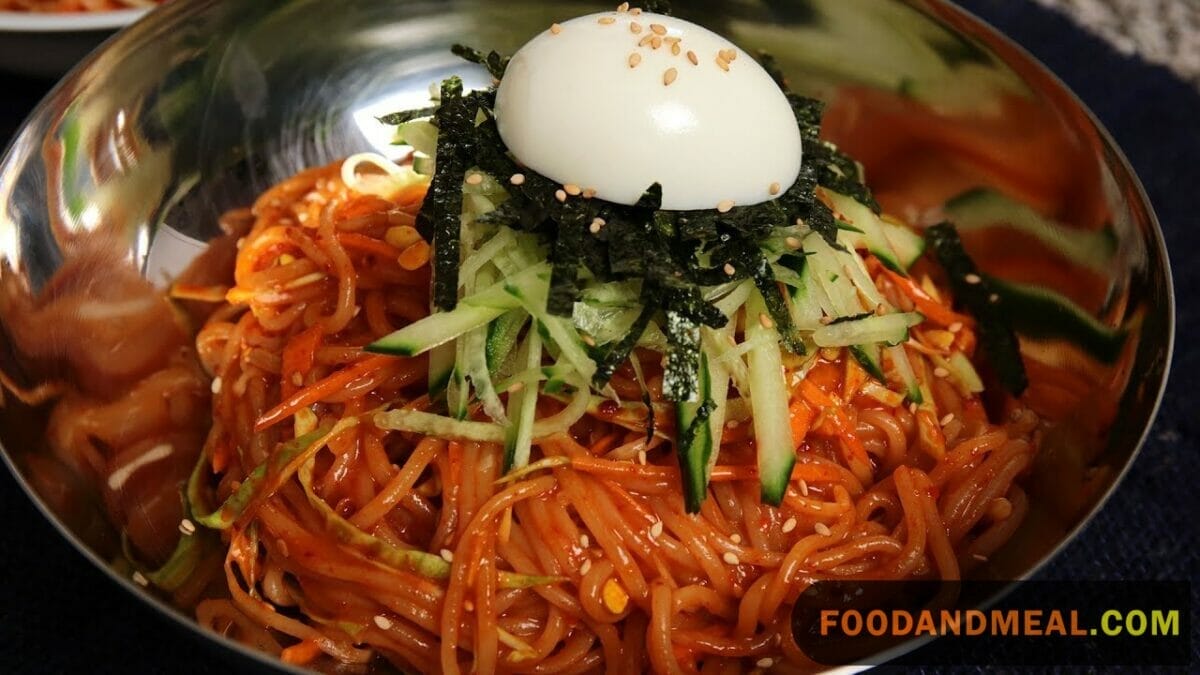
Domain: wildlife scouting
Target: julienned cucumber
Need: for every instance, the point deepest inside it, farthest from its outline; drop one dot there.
(891, 329)
(984, 208)
(472, 312)
(694, 442)
(769, 398)
(1038, 312)
(522, 408)
(871, 233)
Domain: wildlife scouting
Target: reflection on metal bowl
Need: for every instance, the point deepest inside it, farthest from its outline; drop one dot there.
(118, 181)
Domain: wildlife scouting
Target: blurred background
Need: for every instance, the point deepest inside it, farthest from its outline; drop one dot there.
(1136, 63)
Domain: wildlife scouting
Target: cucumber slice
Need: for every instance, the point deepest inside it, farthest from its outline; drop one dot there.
(912, 388)
(694, 441)
(983, 208)
(1038, 312)
(441, 368)
(769, 398)
(522, 408)
(420, 134)
(502, 337)
(868, 356)
(891, 329)
(871, 233)
(908, 244)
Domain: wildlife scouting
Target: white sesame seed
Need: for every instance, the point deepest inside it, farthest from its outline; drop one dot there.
(447, 555)
(725, 205)
(735, 538)
(655, 42)
(140, 579)
(584, 541)
(656, 529)
(723, 64)
(941, 372)
(766, 662)
(765, 321)
(469, 606)
(730, 269)
(774, 188)
(588, 193)
(634, 59)
(596, 226)
(669, 76)
(636, 11)
(912, 407)
(733, 424)
(792, 242)
(587, 565)
(789, 525)
(474, 179)
(606, 21)
(555, 28)
(693, 58)
(675, 49)
(297, 378)
(646, 40)
(731, 559)
(573, 189)
(216, 385)
(825, 320)
(560, 195)
(947, 419)
(994, 298)
(517, 179)
(972, 279)
(515, 387)
(955, 327)
(588, 340)
(658, 29)
(635, 27)
(803, 487)
(822, 529)
(187, 527)
(623, 7)
(641, 457)
(383, 622)
(980, 558)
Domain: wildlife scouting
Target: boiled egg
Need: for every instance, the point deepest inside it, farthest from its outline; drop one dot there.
(617, 101)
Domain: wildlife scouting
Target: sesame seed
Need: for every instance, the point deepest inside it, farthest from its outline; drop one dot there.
(623, 7)
(803, 487)
(140, 579)
(635, 27)
(587, 565)
(825, 320)
(792, 242)
(658, 29)
(606, 21)
(446, 554)
(517, 179)
(383, 622)
(912, 407)
(297, 379)
(584, 541)
(789, 525)
(733, 424)
(766, 662)
(469, 606)
(980, 558)
(774, 188)
(634, 59)
(641, 457)
(588, 340)
(730, 269)
(474, 179)
(723, 64)
(730, 54)
(675, 49)
(725, 205)
(646, 40)
(655, 42)
(656, 529)
(994, 298)
(947, 419)
(636, 11)
(515, 387)
(880, 310)
(669, 76)
(693, 58)
(955, 327)
(573, 189)
(555, 28)
(940, 372)
(735, 538)
(972, 279)
(597, 225)
(731, 559)
(216, 385)
(765, 321)
(822, 529)
(588, 193)
(672, 40)
(187, 527)
(560, 195)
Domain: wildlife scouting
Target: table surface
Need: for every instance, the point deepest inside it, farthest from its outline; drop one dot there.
(58, 614)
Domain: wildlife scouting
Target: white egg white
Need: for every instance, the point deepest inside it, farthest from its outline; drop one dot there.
(600, 104)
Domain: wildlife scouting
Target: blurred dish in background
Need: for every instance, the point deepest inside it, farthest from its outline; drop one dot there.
(74, 5)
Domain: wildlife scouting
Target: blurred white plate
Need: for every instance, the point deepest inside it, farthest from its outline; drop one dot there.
(49, 44)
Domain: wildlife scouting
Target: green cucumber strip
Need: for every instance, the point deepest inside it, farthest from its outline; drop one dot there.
(962, 370)
(983, 208)
(559, 329)
(441, 369)
(908, 244)
(522, 408)
(891, 329)
(694, 441)
(912, 388)
(873, 237)
(1041, 313)
(503, 334)
(769, 397)
(420, 134)
(868, 356)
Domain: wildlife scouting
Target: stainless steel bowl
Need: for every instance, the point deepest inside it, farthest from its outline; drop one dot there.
(204, 104)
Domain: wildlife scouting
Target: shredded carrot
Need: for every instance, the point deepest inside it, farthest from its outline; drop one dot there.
(855, 453)
(300, 654)
(801, 417)
(361, 242)
(299, 354)
(319, 390)
(926, 305)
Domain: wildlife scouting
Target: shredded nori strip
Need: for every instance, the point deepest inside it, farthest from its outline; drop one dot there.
(680, 375)
(397, 118)
(612, 356)
(494, 62)
(438, 219)
(973, 291)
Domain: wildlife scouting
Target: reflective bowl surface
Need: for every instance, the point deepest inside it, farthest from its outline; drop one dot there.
(202, 105)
